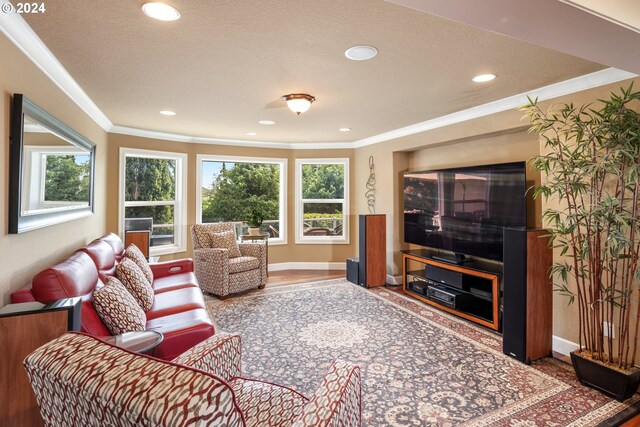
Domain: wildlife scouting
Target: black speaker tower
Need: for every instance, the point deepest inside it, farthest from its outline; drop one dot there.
(527, 295)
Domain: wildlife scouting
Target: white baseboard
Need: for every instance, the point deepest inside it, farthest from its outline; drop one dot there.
(563, 346)
(308, 266)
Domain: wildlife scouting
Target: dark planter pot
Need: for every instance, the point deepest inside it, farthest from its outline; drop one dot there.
(609, 381)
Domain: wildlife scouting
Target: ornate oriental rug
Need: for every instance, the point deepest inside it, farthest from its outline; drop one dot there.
(420, 366)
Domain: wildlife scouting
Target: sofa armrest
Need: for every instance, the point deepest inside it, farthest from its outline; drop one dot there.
(337, 401)
(257, 250)
(167, 268)
(219, 355)
(24, 294)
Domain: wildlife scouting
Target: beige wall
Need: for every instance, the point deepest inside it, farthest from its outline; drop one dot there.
(289, 252)
(23, 255)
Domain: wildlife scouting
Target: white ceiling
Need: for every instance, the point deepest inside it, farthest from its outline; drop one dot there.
(224, 65)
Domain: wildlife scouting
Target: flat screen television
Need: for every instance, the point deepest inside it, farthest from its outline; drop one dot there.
(464, 210)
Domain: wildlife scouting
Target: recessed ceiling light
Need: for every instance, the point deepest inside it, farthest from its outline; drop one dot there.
(344, 129)
(481, 78)
(361, 53)
(168, 113)
(251, 133)
(267, 122)
(160, 11)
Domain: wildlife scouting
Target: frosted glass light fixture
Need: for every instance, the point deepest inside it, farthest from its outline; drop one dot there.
(298, 102)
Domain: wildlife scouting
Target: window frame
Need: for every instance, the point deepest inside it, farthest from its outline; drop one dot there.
(179, 203)
(35, 164)
(283, 162)
(299, 202)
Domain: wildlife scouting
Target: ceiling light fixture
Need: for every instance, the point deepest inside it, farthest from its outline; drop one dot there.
(360, 53)
(160, 11)
(266, 122)
(344, 129)
(481, 78)
(298, 102)
(168, 113)
(251, 133)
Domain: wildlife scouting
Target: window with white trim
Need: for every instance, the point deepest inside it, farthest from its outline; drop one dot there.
(322, 194)
(230, 187)
(58, 177)
(153, 194)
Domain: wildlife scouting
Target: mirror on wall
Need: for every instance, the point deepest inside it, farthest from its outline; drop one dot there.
(51, 169)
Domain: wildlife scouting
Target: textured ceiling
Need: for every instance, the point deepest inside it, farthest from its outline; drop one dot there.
(225, 64)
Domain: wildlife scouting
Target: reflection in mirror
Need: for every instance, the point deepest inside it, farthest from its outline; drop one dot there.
(51, 169)
(55, 173)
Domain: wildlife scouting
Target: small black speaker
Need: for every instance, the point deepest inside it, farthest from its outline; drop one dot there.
(514, 320)
(352, 270)
(441, 275)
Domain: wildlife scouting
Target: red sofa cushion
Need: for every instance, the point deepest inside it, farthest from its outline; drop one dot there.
(23, 294)
(116, 244)
(76, 276)
(73, 277)
(181, 332)
(176, 301)
(173, 282)
(103, 257)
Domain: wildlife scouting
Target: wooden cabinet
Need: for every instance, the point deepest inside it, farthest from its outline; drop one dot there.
(473, 294)
(23, 328)
(139, 238)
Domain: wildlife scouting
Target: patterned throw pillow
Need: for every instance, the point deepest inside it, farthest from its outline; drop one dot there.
(135, 255)
(226, 240)
(134, 281)
(118, 309)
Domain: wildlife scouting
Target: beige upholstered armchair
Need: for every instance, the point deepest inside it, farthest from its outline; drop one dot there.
(79, 380)
(224, 266)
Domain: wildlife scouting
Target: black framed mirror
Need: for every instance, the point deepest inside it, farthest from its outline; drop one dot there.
(51, 169)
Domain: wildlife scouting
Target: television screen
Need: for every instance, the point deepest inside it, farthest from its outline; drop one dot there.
(464, 210)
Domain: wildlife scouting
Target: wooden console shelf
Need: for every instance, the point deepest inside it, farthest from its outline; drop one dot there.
(478, 293)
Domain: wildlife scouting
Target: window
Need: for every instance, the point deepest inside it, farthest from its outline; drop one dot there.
(153, 193)
(322, 192)
(58, 178)
(230, 187)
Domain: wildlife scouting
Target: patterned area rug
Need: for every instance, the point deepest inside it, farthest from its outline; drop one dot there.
(420, 366)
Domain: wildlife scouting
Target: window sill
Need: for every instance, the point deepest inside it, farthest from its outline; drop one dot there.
(166, 250)
(322, 242)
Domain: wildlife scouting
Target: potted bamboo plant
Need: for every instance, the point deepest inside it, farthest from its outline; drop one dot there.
(254, 221)
(591, 180)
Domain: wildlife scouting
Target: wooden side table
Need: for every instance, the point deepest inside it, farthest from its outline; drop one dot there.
(23, 328)
(257, 237)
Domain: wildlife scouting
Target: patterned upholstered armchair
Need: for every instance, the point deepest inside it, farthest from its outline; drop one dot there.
(80, 380)
(223, 269)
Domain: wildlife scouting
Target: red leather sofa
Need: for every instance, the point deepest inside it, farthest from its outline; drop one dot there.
(178, 310)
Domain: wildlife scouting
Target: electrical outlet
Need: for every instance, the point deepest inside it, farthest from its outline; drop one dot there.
(605, 327)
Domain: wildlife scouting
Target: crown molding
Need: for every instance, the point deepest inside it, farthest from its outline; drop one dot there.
(21, 34)
(577, 84)
(144, 133)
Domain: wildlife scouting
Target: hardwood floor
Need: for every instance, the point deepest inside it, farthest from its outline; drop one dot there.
(633, 422)
(290, 277)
